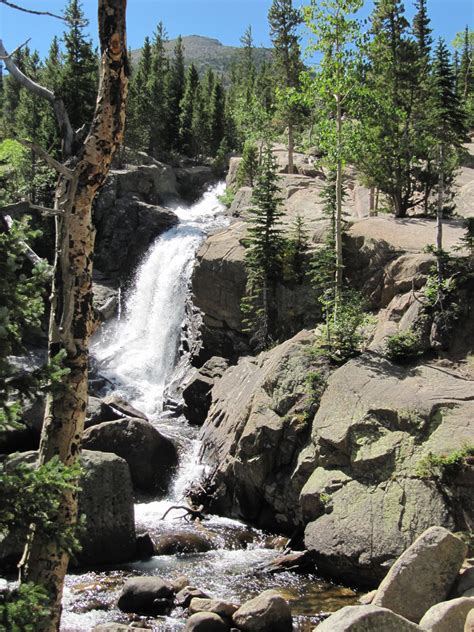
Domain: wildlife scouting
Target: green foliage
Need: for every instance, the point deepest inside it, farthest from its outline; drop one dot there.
(438, 466)
(404, 346)
(248, 166)
(24, 609)
(227, 197)
(343, 337)
(316, 383)
(264, 255)
(296, 250)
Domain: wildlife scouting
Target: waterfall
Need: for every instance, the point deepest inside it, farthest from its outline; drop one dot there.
(138, 353)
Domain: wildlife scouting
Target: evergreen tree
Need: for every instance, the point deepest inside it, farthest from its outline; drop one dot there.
(248, 168)
(217, 117)
(191, 86)
(284, 20)
(78, 83)
(422, 30)
(11, 95)
(157, 84)
(175, 93)
(465, 82)
(138, 122)
(51, 78)
(448, 132)
(264, 255)
(296, 251)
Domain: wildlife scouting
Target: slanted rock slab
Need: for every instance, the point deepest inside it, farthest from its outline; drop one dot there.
(206, 622)
(423, 575)
(366, 619)
(268, 612)
(447, 616)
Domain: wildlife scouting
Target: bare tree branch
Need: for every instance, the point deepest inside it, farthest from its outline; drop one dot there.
(35, 88)
(18, 48)
(29, 252)
(33, 11)
(52, 162)
(25, 206)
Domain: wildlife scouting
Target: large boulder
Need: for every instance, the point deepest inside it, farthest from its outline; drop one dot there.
(423, 575)
(366, 619)
(193, 181)
(218, 606)
(367, 497)
(146, 595)
(116, 254)
(268, 612)
(257, 425)
(447, 615)
(151, 456)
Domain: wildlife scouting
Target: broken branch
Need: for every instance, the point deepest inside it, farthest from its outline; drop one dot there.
(52, 162)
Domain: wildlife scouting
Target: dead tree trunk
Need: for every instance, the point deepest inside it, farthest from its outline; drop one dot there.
(45, 562)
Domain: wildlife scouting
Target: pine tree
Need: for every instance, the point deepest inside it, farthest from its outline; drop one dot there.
(466, 72)
(264, 255)
(217, 117)
(11, 95)
(138, 122)
(175, 93)
(51, 78)
(448, 132)
(296, 250)
(78, 84)
(284, 20)
(248, 168)
(191, 86)
(157, 84)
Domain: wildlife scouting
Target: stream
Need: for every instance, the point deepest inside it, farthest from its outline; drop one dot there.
(139, 354)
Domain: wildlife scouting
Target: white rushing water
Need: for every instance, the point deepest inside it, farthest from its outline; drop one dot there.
(138, 353)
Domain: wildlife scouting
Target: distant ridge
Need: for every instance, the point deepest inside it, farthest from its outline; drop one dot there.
(206, 51)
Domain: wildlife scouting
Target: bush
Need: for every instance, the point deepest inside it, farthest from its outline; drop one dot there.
(437, 466)
(404, 346)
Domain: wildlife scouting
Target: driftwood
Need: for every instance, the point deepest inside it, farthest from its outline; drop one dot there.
(192, 513)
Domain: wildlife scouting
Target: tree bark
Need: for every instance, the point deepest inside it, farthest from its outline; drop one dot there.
(45, 562)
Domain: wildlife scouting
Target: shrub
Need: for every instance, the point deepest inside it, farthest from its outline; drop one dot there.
(439, 465)
(404, 346)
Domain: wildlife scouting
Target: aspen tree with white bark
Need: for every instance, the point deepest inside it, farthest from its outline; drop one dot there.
(81, 173)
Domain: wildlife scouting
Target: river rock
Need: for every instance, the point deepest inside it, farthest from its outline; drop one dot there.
(257, 425)
(187, 594)
(423, 575)
(116, 407)
(150, 456)
(206, 622)
(366, 619)
(375, 423)
(447, 615)
(185, 542)
(146, 595)
(193, 181)
(268, 612)
(464, 583)
(197, 391)
(218, 606)
(111, 627)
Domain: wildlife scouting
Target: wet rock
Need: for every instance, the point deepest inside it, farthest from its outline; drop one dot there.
(185, 596)
(206, 622)
(111, 627)
(268, 611)
(192, 182)
(150, 456)
(423, 575)
(218, 606)
(185, 542)
(179, 583)
(115, 405)
(146, 595)
(197, 392)
(447, 615)
(366, 619)
(145, 546)
(294, 561)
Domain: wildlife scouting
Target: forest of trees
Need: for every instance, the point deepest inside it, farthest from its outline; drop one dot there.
(380, 95)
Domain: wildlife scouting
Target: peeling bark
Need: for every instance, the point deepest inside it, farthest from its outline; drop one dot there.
(71, 322)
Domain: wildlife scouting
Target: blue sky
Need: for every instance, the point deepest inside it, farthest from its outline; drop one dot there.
(225, 20)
